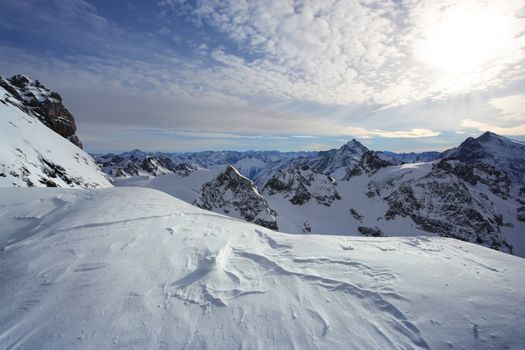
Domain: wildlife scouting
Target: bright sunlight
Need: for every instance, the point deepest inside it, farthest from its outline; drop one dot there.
(463, 39)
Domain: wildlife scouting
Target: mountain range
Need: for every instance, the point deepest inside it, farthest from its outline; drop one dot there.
(474, 192)
(382, 250)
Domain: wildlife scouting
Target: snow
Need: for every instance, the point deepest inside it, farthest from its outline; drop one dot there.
(135, 268)
(27, 145)
(186, 188)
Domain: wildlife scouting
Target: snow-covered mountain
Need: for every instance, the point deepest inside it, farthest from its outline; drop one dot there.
(35, 99)
(464, 198)
(301, 184)
(258, 166)
(412, 157)
(221, 189)
(504, 154)
(250, 163)
(135, 268)
(33, 154)
(338, 162)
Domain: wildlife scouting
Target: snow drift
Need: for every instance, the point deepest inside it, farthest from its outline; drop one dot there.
(136, 268)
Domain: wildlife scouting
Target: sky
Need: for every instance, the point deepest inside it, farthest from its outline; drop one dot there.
(176, 75)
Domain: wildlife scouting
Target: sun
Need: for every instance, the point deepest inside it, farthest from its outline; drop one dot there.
(464, 39)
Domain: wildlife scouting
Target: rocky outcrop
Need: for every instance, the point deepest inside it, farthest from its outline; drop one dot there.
(299, 184)
(46, 105)
(441, 203)
(370, 231)
(475, 172)
(33, 155)
(369, 164)
(235, 195)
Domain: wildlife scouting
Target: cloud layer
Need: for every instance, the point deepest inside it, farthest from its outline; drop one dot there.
(242, 70)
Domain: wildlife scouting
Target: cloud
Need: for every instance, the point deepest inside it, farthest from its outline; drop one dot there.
(511, 107)
(413, 133)
(297, 69)
(517, 130)
(354, 52)
(305, 137)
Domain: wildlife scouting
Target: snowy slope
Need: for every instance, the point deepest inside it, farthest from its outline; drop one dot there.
(134, 268)
(31, 154)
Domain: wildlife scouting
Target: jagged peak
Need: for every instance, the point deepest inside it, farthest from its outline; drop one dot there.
(353, 143)
(232, 171)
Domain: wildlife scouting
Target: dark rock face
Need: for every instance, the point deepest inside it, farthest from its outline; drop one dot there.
(232, 192)
(300, 184)
(369, 164)
(355, 214)
(46, 105)
(477, 171)
(504, 154)
(370, 231)
(441, 203)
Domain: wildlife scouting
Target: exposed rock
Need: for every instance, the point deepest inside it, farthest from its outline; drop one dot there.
(370, 231)
(356, 215)
(300, 184)
(369, 164)
(230, 191)
(441, 203)
(477, 171)
(46, 105)
(504, 154)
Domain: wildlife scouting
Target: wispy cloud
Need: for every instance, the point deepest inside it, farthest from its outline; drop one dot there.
(516, 130)
(512, 107)
(413, 133)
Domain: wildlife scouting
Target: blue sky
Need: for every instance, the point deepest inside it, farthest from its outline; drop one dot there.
(177, 75)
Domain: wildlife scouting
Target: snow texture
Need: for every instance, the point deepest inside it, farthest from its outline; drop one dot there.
(135, 268)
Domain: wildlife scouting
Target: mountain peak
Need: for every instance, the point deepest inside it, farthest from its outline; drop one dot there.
(488, 136)
(353, 143)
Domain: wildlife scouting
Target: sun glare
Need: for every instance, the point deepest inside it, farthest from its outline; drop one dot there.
(462, 40)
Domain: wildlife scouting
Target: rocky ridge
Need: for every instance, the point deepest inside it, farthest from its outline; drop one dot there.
(35, 99)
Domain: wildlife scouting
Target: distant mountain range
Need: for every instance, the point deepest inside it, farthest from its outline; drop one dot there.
(474, 192)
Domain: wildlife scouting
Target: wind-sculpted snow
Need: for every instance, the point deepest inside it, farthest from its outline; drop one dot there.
(134, 268)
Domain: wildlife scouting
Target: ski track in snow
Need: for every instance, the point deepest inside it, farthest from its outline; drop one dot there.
(135, 268)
